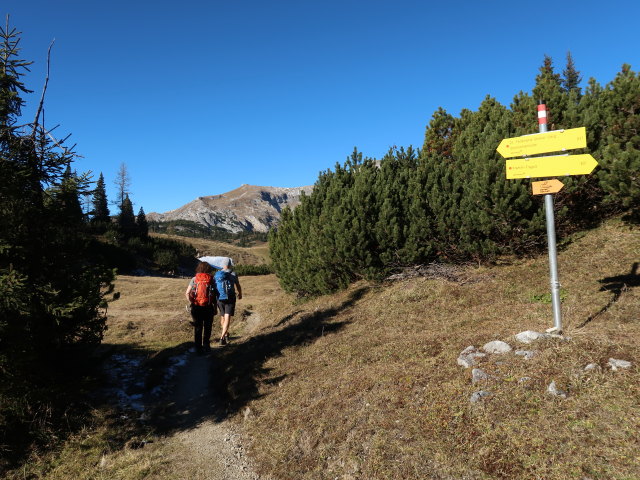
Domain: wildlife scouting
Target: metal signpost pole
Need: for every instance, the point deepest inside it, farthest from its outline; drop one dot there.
(551, 238)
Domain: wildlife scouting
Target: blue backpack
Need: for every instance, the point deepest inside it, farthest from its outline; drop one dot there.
(224, 282)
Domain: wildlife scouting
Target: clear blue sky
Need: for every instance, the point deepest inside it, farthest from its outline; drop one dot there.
(199, 97)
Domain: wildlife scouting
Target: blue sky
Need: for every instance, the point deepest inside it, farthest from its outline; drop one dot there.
(199, 97)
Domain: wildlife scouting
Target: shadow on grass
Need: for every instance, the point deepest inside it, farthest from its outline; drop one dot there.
(57, 397)
(616, 285)
(238, 369)
(217, 385)
(178, 389)
(171, 390)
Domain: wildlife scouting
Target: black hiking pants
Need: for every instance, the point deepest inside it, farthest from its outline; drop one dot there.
(202, 324)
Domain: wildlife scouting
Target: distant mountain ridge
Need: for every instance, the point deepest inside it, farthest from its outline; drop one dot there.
(247, 208)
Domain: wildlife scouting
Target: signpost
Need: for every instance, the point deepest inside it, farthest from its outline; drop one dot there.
(548, 166)
(554, 166)
(546, 187)
(554, 141)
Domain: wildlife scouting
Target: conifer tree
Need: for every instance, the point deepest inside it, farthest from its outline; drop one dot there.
(122, 183)
(424, 189)
(490, 208)
(127, 219)
(451, 200)
(549, 89)
(50, 285)
(142, 224)
(571, 77)
(620, 162)
(392, 227)
(100, 212)
(66, 197)
(524, 115)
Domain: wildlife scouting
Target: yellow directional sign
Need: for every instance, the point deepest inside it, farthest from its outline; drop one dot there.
(548, 186)
(554, 141)
(553, 166)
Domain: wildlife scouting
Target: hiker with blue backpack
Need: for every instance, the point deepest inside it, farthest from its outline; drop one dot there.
(226, 284)
(202, 296)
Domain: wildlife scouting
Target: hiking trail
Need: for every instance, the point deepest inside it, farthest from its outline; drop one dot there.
(212, 449)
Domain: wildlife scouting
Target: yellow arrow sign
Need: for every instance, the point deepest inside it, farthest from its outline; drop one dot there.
(555, 141)
(553, 166)
(548, 186)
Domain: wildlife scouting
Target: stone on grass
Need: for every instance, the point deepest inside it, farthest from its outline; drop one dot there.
(467, 357)
(529, 336)
(615, 364)
(527, 354)
(479, 375)
(479, 395)
(524, 380)
(552, 389)
(497, 346)
(591, 366)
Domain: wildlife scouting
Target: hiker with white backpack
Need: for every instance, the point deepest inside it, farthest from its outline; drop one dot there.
(227, 283)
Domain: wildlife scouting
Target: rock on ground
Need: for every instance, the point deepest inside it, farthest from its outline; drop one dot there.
(467, 357)
(497, 346)
(529, 336)
(479, 375)
(552, 389)
(615, 364)
(479, 395)
(527, 354)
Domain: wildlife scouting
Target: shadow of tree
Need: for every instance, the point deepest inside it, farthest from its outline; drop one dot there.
(234, 372)
(617, 285)
(174, 389)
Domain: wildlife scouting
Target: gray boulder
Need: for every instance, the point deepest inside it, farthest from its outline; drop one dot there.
(527, 354)
(467, 357)
(479, 375)
(529, 336)
(497, 346)
(552, 389)
(479, 395)
(617, 364)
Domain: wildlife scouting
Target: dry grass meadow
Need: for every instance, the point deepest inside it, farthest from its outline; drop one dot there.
(256, 255)
(364, 384)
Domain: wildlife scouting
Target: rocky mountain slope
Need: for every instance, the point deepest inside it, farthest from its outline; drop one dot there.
(247, 208)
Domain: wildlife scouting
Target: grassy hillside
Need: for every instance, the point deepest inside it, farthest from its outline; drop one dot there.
(364, 384)
(256, 255)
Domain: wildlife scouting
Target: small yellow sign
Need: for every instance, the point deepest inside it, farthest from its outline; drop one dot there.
(555, 141)
(546, 187)
(553, 166)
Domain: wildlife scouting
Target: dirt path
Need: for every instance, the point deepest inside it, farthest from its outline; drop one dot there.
(198, 444)
(190, 438)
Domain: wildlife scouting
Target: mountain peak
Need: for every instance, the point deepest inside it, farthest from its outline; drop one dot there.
(247, 208)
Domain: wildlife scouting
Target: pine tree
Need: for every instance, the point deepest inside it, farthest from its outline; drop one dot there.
(571, 77)
(425, 195)
(549, 89)
(100, 212)
(127, 219)
(620, 161)
(51, 286)
(141, 223)
(66, 196)
(396, 168)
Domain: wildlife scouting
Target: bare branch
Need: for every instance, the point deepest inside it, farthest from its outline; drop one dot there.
(44, 89)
